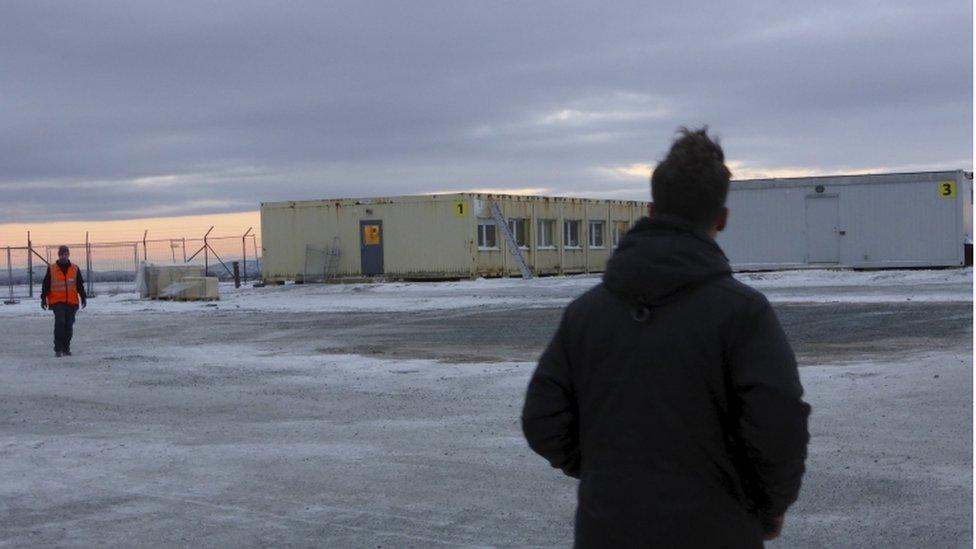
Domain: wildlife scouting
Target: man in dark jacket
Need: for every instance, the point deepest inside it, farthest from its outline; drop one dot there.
(63, 290)
(670, 390)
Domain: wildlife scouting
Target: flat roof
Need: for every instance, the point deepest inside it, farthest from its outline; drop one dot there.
(445, 197)
(853, 179)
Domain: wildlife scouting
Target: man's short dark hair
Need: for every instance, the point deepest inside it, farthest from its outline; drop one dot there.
(692, 181)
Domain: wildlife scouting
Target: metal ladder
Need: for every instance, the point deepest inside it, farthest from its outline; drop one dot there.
(332, 263)
(502, 224)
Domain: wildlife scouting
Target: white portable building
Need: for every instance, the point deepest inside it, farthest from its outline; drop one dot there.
(858, 221)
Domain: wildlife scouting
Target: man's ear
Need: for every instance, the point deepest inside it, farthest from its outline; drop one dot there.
(723, 219)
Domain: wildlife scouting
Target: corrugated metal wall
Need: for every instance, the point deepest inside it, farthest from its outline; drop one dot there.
(417, 233)
(765, 228)
(967, 209)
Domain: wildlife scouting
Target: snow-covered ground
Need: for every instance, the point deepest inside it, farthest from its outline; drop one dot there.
(255, 428)
(802, 286)
(235, 445)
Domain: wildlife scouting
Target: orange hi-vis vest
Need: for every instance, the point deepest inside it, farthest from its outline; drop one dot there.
(64, 285)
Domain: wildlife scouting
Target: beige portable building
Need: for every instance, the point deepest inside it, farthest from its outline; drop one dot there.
(440, 236)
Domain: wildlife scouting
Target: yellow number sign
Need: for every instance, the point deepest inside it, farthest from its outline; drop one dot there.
(460, 208)
(371, 235)
(947, 189)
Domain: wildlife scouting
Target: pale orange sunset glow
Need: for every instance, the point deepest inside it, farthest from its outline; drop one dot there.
(73, 232)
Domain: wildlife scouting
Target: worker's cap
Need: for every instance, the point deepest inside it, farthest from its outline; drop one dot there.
(62, 250)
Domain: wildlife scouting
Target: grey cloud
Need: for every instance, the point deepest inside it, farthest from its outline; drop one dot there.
(245, 102)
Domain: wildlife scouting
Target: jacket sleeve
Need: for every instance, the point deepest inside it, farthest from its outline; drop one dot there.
(550, 414)
(769, 415)
(46, 285)
(80, 285)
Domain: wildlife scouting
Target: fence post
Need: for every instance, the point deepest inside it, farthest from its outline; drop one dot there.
(184, 249)
(254, 241)
(10, 275)
(88, 269)
(145, 250)
(30, 267)
(237, 274)
(244, 249)
(206, 252)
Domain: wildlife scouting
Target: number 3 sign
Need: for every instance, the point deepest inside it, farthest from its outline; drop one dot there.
(947, 189)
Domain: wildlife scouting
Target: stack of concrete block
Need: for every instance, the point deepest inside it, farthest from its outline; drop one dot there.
(175, 282)
(193, 288)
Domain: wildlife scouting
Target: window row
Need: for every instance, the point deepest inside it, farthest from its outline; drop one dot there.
(545, 232)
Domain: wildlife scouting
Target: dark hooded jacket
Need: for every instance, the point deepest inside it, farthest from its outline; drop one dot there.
(671, 392)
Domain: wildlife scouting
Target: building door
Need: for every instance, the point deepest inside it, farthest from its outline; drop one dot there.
(371, 247)
(823, 229)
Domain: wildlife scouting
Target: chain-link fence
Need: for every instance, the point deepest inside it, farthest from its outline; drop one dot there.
(111, 267)
(106, 267)
(217, 254)
(315, 263)
(321, 265)
(17, 274)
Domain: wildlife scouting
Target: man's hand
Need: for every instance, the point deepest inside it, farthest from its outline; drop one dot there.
(44, 303)
(84, 303)
(772, 527)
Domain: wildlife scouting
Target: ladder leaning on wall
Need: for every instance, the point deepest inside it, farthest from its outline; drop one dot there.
(513, 247)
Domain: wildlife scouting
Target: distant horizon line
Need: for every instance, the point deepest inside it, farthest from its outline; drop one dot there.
(191, 224)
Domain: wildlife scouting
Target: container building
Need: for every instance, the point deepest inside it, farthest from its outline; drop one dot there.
(874, 221)
(858, 221)
(440, 236)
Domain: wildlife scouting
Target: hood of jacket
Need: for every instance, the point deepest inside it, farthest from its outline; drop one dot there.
(661, 258)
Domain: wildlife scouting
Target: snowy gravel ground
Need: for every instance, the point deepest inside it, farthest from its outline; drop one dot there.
(801, 286)
(387, 415)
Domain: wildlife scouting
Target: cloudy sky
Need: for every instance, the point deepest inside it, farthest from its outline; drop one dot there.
(139, 109)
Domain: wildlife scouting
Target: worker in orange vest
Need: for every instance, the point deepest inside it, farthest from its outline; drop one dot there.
(63, 291)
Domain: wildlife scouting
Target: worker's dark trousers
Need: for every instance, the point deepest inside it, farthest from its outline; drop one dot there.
(64, 320)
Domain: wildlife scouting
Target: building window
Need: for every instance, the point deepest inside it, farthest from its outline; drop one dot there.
(487, 239)
(520, 231)
(545, 233)
(571, 233)
(596, 234)
(619, 230)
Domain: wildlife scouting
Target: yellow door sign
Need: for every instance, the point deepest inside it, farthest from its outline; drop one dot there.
(460, 209)
(947, 189)
(371, 235)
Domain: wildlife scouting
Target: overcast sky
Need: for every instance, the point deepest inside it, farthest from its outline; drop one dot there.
(132, 109)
